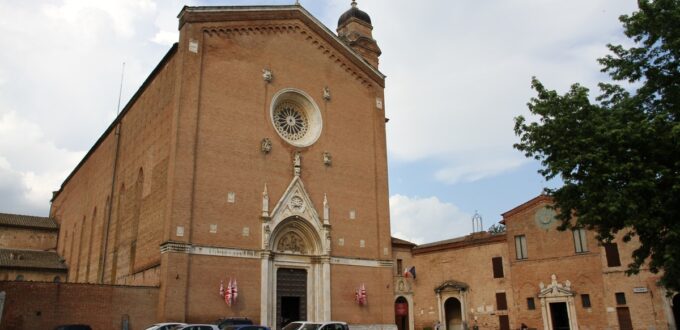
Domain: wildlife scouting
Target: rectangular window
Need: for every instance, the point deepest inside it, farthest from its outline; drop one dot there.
(585, 300)
(531, 304)
(580, 243)
(400, 267)
(612, 252)
(501, 302)
(497, 263)
(620, 298)
(521, 247)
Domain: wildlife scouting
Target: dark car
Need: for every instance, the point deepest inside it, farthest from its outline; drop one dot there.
(245, 327)
(221, 323)
(73, 327)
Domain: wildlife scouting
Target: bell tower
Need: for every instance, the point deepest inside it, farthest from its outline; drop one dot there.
(355, 29)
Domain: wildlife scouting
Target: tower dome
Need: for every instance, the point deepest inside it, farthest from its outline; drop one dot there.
(354, 12)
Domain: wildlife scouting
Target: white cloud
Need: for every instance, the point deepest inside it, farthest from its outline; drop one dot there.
(31, 166)
(166, 37)
(423, 220)
(460, 71)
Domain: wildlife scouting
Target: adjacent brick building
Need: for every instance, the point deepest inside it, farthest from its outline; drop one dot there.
(531, 274)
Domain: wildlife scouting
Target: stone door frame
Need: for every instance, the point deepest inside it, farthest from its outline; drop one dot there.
(557, 293)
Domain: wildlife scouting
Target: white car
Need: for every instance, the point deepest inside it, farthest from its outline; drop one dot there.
(330, 325)
(198, 327)
(165, 326)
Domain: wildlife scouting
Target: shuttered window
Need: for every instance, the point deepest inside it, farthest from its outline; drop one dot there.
(504, 322)
(497, 263)
(580, 243)
(501, 302)
(521, 247)
(612, 252)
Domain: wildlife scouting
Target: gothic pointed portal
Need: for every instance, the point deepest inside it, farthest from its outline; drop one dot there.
(296, 249)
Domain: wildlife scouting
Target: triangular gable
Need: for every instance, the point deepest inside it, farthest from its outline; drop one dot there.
(295, 201)
(202, 14)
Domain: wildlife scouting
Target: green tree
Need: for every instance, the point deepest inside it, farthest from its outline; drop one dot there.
(619, 156)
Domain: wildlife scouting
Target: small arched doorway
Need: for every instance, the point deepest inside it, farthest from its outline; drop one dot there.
(453, 314)
(676, 308)
(401, 313)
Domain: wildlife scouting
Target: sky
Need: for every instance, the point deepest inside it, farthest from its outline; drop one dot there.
(458, 72)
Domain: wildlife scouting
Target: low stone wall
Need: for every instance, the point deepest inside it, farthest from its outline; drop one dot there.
(42, 305)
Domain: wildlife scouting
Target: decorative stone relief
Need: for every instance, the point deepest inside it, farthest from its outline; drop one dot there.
(291, 242)
(378, 103)
(267, 75)
(265, 202)
(326, 94)
(326, 210)
(297, 164)
(362, 243)
(245, 232)
(213, 228)
(265, 237)
(231, 197)
(327, 158)
(341, 242)
(352, 214)
(266, 145)
(180, 231)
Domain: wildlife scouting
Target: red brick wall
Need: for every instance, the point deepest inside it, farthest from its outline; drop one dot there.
(32, 305)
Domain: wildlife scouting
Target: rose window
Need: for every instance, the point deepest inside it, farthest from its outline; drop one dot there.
(295, 117)
(290, 121)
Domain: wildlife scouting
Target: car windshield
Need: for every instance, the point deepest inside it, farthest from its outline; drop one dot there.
(301, 326)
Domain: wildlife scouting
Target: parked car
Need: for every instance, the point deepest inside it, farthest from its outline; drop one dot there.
(331, 325)
(221, 323)
(73, 327)
(245, 327)
(165, 326)
(198, 327)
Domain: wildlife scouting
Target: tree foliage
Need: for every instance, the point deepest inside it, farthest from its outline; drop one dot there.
(497, 228)
(619, 157)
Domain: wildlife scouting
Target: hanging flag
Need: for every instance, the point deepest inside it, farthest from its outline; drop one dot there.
(364, 299)
(410, 272)
(227, 295)
(221, 288)
(234, 292)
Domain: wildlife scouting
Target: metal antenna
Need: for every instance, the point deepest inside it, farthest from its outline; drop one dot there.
(120, 90)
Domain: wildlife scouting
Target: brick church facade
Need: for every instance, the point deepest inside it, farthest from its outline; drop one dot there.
(255, 153)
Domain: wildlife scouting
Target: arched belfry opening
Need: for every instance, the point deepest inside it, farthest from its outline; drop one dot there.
(295, 272)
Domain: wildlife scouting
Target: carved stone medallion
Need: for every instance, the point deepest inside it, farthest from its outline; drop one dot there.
(297, 204)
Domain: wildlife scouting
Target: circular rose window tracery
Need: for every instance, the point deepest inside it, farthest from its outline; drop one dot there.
(290, 120)
(295, 117)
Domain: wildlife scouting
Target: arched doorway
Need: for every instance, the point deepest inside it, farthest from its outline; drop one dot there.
(401, 313)
(453, 314)
(676, 308)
